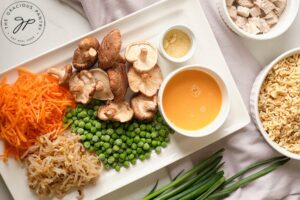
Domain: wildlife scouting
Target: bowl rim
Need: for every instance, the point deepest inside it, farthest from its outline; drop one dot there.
(224, 110)
(191, 35)
(264, 36)
(255, 96)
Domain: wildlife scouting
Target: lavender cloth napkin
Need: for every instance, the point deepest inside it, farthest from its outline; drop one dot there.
(247, 145)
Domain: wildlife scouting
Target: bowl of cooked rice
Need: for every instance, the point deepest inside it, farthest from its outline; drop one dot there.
(275, 103)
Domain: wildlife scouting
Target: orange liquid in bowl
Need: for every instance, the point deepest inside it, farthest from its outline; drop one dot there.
(192, 99)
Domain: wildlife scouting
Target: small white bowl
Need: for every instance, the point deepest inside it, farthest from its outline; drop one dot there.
(285, 21)
(254, 103)
(217, 122)
(192, 37)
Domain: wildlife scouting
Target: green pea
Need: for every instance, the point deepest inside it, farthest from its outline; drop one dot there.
(97, 144)
(148, 127)
(133, 161)
(123, 137)
(146, 147)
(119, 130)
(143, 127)
(106, 145)
(118, 142)
(91, 149)
(136, 139)
(143, 134)
(133, 146)
(164, 144)
(80, 131)
(148, 135)
(135, 125)
(116, 148)
(86, 144)
(111, 159)
(86, 119)
(98, 125)
(109, 151)
(158, 150)
(82, 137)
(106, 138)
(137, 130)
(126, 164)
(98, 133)
(116, 155)
(81, 124)
(139, 150)
(114, 136)
(147, 155)
(110, 131)
(131, 127)
(129, 141)
(65, 119)
(93, 129)
(117, 168)
(140, 144)
(95, 138)
(96, 107)
(98, 152)
(82, 114)
(89, 136)
(154, 143)
(142, 157)
(69, 115)
(90, 112)
(153, 134)
(128, 151)
(88, 126)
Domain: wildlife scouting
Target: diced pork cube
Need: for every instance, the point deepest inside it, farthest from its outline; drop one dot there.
(245, 3)
(271, 18)
(266, 5)
(243, 11)
(280, 6)
(251, 28)
(261, 24)
(232, 12)
(241, 21)
(255, 11)
(229, 2)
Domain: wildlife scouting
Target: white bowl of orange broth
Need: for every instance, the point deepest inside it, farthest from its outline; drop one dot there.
(194, 101)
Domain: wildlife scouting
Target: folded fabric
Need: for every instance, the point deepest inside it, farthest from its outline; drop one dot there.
(247, 145)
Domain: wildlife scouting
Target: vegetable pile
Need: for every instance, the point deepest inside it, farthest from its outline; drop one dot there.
(32, 106)
(206, 181)
(117, 144)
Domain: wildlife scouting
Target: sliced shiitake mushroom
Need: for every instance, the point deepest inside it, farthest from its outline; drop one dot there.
(62, 73)
(82, 86)
(103, 90)
(85, 56)
(142, 55)
(147, 83)
(144, 107)
(116, 111)
(118, 81)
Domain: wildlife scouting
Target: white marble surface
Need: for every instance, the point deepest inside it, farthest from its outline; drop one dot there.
(64, 24)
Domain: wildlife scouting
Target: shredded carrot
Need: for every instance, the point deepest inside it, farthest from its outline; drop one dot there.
(34, 105)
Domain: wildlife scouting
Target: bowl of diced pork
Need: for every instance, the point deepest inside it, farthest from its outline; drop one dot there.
(258, 19)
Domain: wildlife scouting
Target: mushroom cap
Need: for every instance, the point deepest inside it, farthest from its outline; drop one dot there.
(108, 52)
(147, 83)
(144, 107)
(116, 111)
(82, 86)
(118, 81)
(85, 56)
(143, 55)
(103, 90)
(62, 73)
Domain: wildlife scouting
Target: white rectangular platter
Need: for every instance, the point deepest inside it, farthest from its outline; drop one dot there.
(146, 24)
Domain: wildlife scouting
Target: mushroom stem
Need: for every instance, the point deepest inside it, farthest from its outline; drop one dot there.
(110, 112)
(92, 52)
(143, 54)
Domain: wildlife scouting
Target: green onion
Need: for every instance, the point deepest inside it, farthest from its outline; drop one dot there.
(248, 179)
(187, 174)
(189, 182)
(212, 189)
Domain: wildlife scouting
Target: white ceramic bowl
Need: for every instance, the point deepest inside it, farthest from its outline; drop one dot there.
(221, 117)
(191, 35)
(254, 103)
(285, 21)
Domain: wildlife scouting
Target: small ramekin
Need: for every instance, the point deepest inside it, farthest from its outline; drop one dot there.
(285, 21)
(254, 103)
(221, 117)
(191, 35)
